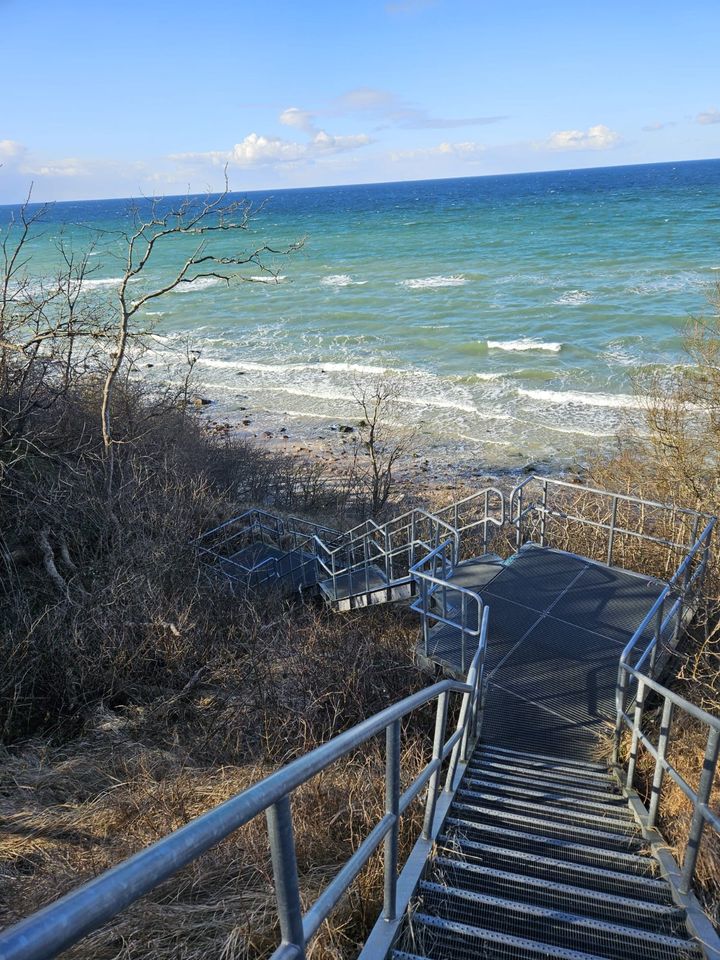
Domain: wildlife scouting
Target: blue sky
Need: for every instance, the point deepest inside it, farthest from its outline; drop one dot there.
(107, 100)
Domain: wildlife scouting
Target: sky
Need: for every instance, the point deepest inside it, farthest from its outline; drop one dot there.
(114, 100)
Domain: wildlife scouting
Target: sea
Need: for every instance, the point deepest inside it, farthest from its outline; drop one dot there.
(515, 315)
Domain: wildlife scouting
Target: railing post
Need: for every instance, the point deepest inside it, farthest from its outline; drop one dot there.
(392, 806)
(543, 513)
(620, 696)
(485, 524)
(698, 820)
(425, 611)
(658, 639)
(285, 874)
(659, 774)
(518, 534)
(635, 744)
(438, 744)
(463, 635)
(611, 538)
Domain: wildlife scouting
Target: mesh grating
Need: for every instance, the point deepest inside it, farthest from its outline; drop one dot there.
(662, 918)
(559, 848)
(503, 791)
(604, 820)
(569, 930)
(432, 937)
(563, 829)
(555, 870)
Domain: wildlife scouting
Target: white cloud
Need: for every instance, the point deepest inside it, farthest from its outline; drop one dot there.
(465, 150)
(258, 150)
(598, 137)
(654, 127)
(300, 119)
(709, 116)
(11, 150)
(391, 111)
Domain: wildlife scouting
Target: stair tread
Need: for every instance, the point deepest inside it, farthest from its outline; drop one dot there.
(650, 885)
(569, 786)
(619, 808)
(517, 944)
(485, 748)
(572, 814)
(557, 843)
(559, 916)
(561, 774)
(633, 840)
(661, 909)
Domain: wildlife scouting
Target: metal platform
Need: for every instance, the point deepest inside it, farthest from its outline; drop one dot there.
(558, 627)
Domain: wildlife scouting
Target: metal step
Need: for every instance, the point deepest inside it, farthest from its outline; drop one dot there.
(555, 869)
(547, 925)
(544, 768)
(445, 939)
(562, 848)
(569, 815)
(571, 788)
(607, 784)
(487, 748)
(615, 807)
(602, 839)
(661, 917)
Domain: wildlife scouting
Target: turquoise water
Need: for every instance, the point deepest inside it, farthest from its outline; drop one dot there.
(512, 311)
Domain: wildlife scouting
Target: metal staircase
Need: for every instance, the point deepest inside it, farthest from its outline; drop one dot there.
(541, 857)
(530, 848)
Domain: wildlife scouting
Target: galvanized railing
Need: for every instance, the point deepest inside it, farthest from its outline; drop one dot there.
(392, 547)
(58, 926)
(484, 509)
(537, 501)
(671, 611)
(657, 747)
(218, 545)
(440, 601)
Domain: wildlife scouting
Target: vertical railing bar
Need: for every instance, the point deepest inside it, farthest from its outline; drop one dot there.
(543, 514)
(285, 874)
(661, 753)
(611, 535)
(703, 798)
(463, 634)
(392, 807)
(620, 700)
(438, 744)
(635, 743)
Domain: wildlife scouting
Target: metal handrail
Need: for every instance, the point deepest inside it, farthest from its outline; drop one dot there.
(68, 920)
(700, 798)
(455, 510)
(518, 513)
(690, 583)
(430, 584)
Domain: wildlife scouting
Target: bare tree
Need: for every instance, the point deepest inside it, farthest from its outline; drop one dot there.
(380, 440)
(209, 224)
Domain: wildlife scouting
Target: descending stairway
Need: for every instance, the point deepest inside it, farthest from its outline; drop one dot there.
(540, 857)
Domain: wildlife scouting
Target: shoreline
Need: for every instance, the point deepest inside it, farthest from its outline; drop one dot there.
(331, 442)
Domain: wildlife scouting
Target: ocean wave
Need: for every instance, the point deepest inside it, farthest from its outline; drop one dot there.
(267, 278)
(330, 367)
(202, 283)
(620, 400)
(420, 283)
(572, 298)
(91, 283)
(523, 344)
(341, 280)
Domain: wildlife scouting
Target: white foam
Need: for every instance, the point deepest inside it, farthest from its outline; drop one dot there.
(91, 283)
(523, 345)
(202, 283)
(341, 280)
(572, 298)
(457, 280)
(251, 366)
(620, 400)
(268, 278)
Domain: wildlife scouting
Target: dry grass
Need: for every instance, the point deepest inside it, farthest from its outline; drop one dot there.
(139, 693)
